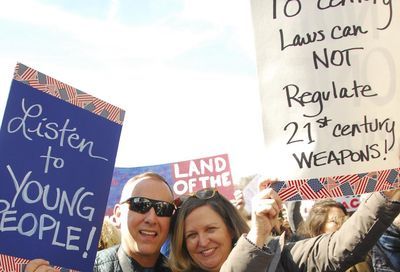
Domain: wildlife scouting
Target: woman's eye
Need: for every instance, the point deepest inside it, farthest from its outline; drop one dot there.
(191, 236)
(211, 229)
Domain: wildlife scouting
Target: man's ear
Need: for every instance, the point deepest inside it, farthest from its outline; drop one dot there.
(117, 215)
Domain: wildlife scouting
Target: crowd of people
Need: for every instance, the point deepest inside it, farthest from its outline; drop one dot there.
(207, 232)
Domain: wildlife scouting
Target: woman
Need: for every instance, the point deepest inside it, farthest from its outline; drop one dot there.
(335, 251)
(205, 229)
(203, 239)
(327, 216)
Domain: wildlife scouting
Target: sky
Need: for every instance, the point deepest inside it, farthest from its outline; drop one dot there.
(183, 70)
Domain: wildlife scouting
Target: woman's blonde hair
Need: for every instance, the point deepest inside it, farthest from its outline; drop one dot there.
(317, 217)
(180, 259)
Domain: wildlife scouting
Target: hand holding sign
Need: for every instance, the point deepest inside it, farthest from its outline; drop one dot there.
(265, 209)
(39, 265)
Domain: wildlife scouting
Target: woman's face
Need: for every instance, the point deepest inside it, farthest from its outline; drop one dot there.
(207, 238)
(334, 220)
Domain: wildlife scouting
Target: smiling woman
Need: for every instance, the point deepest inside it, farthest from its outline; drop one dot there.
(205, 229)
(207, 241)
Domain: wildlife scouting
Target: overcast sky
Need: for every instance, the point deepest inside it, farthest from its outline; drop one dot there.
(184, 71)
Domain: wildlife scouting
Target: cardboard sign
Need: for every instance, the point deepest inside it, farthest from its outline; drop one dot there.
(184, 177)
(55, 170)
(330, 69)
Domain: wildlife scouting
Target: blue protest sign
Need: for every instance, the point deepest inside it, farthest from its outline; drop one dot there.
(57, 154)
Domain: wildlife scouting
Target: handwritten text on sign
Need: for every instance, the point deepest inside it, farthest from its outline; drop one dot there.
(184, 177)
(55, 173)
(32, 124)
(30, 224)
(331, 68)
(203, 173)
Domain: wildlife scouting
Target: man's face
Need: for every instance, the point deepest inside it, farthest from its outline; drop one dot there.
(143, 234)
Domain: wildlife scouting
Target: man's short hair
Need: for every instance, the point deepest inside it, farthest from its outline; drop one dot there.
(143, 176)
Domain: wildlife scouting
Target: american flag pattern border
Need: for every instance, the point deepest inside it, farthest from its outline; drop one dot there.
(67, 93)
(14, 264)
(337, 186)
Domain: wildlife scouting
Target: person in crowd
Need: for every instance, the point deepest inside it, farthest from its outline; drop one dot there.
(294, 215)
(205, 229)
(282, 227)
(199, 231)
(143, 217)
(386, 252)
(336, 251)
(109, 236)
(327, 216)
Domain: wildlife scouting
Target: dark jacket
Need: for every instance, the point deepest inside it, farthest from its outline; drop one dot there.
(386, 252)
(107, 261)
(328, 252)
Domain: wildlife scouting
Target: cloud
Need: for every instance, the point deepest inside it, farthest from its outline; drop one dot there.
(108, 38)
(113, 10)
(224, 15)
(135, 67)
(165, 39)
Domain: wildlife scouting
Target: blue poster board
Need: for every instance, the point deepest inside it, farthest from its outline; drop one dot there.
(55, 170)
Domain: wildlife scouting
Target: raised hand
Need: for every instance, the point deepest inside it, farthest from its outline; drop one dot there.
(265, 210)
(238, 202)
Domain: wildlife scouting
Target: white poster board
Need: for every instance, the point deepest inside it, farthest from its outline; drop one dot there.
(329, 75)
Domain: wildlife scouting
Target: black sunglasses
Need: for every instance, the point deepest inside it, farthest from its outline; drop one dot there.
(143, 205)
(206, 193)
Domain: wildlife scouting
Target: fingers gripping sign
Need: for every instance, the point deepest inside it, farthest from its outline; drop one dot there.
(238, 202)
(266, 205)
(39, 265)
(269, 200)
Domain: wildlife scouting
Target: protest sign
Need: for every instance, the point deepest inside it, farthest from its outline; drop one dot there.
(351, 203)
(55, 170)
(15, 264)
(184, 177)
(330, 68)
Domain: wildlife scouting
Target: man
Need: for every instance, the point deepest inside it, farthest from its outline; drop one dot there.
(143, 216)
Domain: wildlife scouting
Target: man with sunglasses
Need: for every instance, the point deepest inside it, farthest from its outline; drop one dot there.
(143, 216)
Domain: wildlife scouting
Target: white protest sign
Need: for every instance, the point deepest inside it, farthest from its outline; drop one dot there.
(351, 203)
(329, 80)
